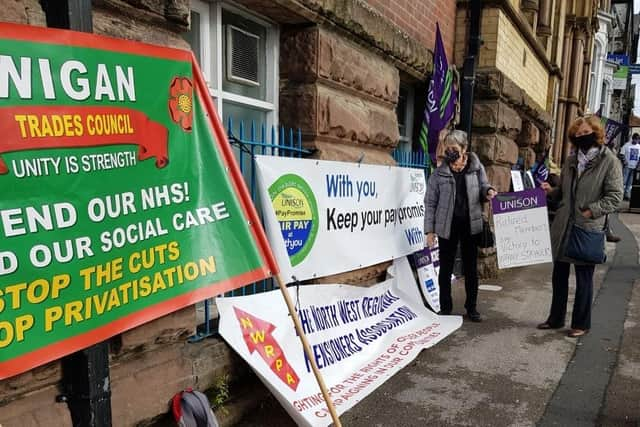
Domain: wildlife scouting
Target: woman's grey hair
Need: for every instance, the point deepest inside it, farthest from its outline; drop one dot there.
(456, 137)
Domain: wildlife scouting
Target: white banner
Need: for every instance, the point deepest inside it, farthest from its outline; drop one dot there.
(359, 337)
(332, 217)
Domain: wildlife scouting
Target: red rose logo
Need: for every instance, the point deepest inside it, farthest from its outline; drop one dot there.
(181, 102)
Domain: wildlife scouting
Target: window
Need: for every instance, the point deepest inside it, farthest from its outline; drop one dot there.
(404, 111)
(238, 54)
(604, 99)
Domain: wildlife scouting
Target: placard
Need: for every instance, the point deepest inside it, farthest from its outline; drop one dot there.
(516, 180)
(359, 337)
(330, 217)
(428, 278)
(521, 228)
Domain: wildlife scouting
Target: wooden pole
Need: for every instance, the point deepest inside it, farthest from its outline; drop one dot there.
(307, 350)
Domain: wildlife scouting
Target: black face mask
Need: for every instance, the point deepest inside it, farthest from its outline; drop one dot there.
(584, 142)
(450, 156)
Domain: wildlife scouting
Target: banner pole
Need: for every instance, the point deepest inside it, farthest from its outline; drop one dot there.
(307, 350)
(201, 87)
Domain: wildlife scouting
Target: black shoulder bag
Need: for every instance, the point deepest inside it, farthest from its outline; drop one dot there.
(484, 239)
(584, 245)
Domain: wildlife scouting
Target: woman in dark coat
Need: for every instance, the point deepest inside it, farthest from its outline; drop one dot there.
(592, 178)
(454, 198)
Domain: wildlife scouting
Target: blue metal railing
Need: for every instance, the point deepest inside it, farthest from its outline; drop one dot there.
(274, 141)
(248, 142)
(410, 159)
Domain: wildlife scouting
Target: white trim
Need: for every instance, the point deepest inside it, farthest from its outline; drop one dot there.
(273, 74)
(246, 13)
(211, 57)
(205, 43)
(218, 53)
(606, 102)
(597, 63)
(245, 100)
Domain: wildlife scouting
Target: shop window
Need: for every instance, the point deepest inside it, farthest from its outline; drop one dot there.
(238, 54)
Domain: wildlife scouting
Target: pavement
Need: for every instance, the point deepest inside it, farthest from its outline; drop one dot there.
(505, 372)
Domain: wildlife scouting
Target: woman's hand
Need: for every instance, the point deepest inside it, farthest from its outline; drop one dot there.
(587, 213)
(546, 187)
(431, 240)
(491, 193)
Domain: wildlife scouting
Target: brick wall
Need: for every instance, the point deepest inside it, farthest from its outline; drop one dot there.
(506, 50)
(418, 19)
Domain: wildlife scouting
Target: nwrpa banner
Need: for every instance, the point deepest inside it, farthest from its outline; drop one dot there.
(359, 338)
(330, 217)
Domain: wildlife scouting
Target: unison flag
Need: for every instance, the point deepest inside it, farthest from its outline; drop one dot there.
(441, 101)
(611, 128)
(541, 170)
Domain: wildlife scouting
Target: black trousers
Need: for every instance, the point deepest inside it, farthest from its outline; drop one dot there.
(460, 232)
(581, 317)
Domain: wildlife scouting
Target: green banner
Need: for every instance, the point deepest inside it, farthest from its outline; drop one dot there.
(121, 201)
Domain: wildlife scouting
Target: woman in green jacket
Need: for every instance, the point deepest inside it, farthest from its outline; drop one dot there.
(590, 188)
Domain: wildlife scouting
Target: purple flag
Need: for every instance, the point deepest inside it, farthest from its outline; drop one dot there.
(441, 101)
(611, 128)
(541, 170)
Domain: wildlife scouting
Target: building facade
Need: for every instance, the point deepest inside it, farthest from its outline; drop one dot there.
(532, 80)
(349, 74)
(602, 68)
(534, 75)
(614, 82)
(621, 53)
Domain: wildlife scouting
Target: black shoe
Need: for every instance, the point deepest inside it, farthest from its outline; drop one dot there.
(444, 312)
(547, 325)
(613, 238)
(474, 316)
(575, 333)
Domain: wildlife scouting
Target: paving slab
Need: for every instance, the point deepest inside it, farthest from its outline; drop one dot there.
(580, 395)
(622, 402)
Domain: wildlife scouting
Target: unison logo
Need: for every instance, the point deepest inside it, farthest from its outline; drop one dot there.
(514, 203)
(297, 212)
(417, 183)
